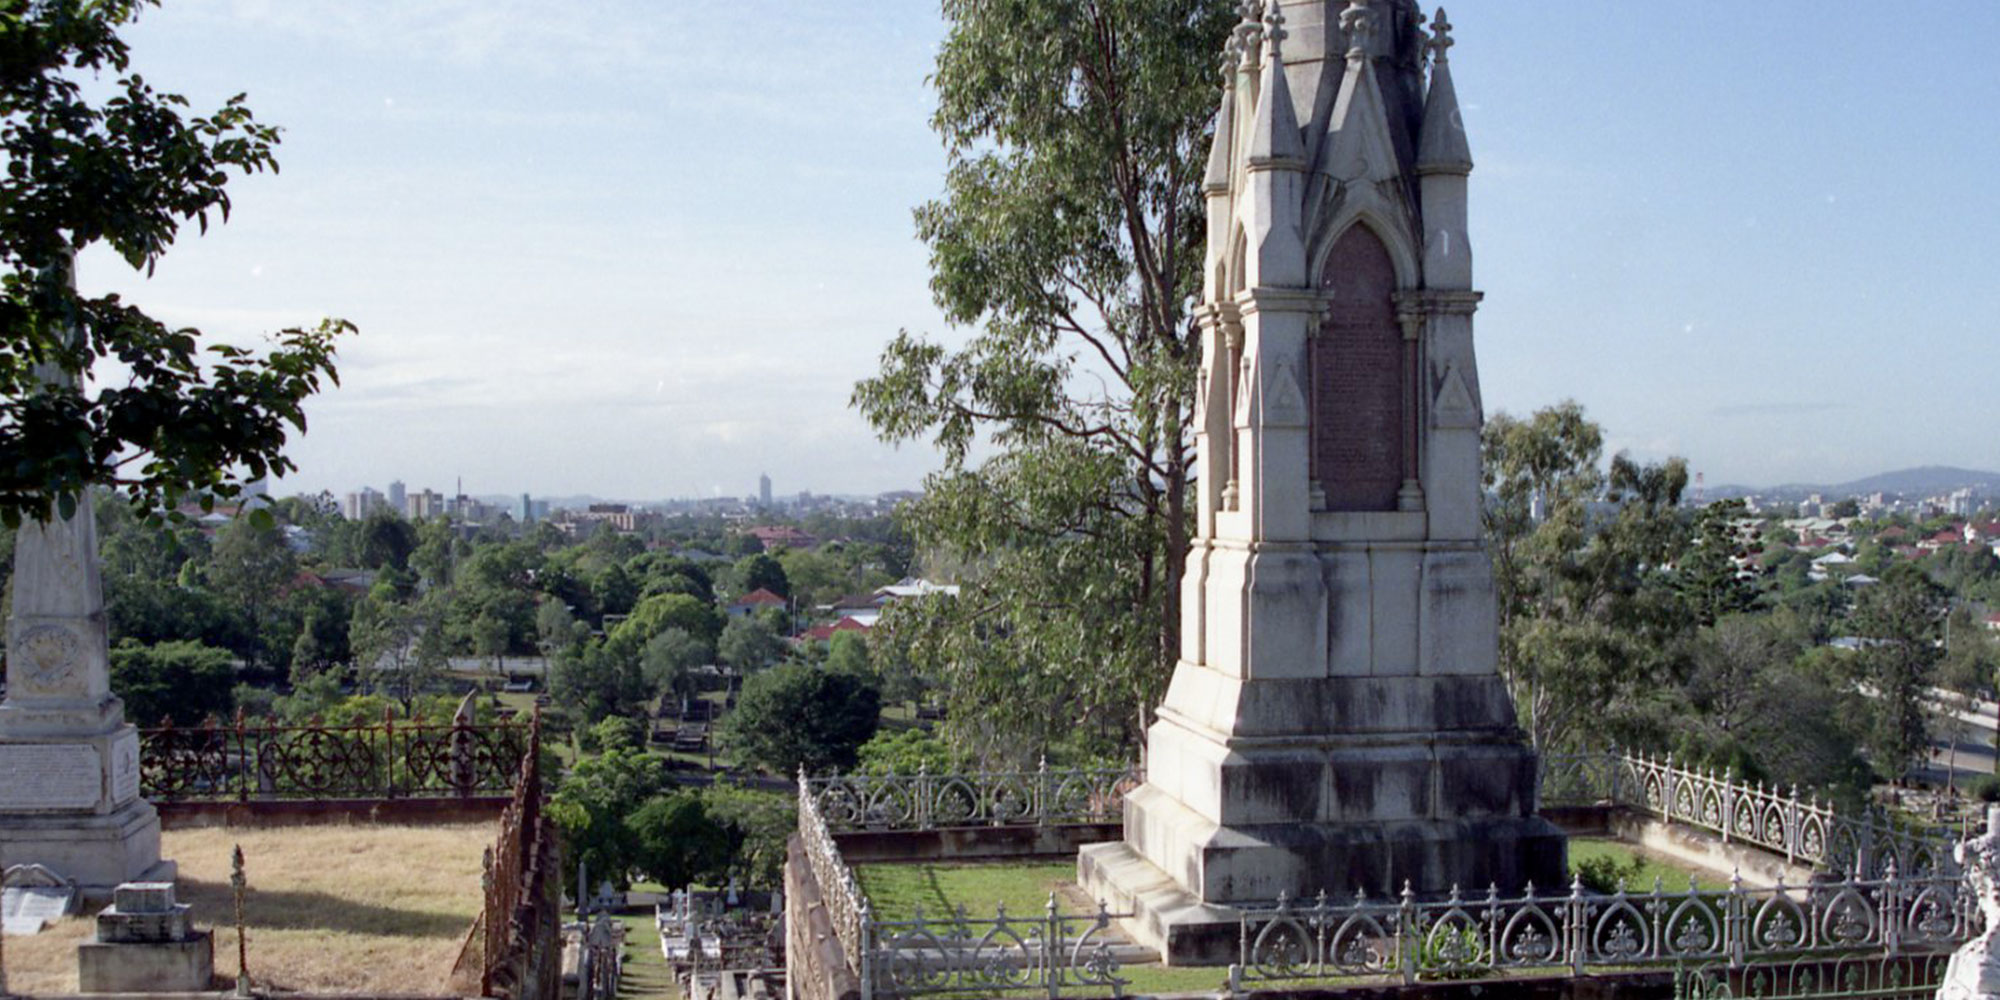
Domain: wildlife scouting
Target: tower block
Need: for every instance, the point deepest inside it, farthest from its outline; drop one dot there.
(1337, 720)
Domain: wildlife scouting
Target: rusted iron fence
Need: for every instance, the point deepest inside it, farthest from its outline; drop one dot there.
(520, 927)
(244, 760)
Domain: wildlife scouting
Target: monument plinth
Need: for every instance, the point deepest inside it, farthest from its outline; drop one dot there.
(69, 763)
(1336, 721)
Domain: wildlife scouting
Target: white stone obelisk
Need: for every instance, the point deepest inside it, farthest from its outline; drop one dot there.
(69, 762)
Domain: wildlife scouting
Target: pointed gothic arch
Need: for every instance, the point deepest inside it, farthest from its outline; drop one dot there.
(1361, 397)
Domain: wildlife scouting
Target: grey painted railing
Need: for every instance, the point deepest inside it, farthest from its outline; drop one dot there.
(1043, 797)
(1897, 893)
(1581, 931)
(1804, 829)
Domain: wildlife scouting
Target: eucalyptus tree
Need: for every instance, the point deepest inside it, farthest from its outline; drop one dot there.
(1069, 243)
(1589, 614)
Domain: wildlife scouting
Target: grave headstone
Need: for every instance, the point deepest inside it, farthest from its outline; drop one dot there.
(146, 942)
(27, 909)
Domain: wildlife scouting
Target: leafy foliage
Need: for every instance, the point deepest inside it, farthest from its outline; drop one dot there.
(184, 681)
(1070, 238)
(191, 417)
(794, 715)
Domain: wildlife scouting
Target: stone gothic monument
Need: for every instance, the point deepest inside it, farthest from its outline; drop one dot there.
(69, 762)
(1337, 720)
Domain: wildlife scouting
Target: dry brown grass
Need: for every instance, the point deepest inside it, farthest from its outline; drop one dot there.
(336, 909)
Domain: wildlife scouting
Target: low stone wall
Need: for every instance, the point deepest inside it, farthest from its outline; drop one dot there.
(815, 966)
(470, 809)
(1705, 850)
(973, 843)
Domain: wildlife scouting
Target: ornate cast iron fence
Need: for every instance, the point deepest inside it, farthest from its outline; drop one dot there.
(983, 956)
(1904, 977)
(391, 759)
(846, 906)
(1492, 935)
(520, 926)
(1805, 830)
(959, 955)
(923, 801)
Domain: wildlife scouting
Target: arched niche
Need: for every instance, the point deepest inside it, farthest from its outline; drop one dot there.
(1359, 399)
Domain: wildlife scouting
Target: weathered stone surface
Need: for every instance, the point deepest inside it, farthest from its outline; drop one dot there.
(1336, 721)
(69, 764)
(50, 776)
(183, 966)
(1974, 972)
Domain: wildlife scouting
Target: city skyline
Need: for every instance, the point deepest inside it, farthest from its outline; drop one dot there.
(596, 252)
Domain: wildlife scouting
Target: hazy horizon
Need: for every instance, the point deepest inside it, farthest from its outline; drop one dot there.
(615, 250)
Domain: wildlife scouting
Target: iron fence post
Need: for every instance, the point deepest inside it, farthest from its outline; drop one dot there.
(1727, 796)
(1044, 797)
(1052, 946)
(1791, 827)
(389, 754)
(1669, 786)
(1734, 920)
(865, 958)
(921, 792)
(1578, 936)
(1407, 938)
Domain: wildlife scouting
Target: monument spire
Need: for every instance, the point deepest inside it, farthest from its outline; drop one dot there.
(1441, 145)
(1336, 721)
(1275, 143)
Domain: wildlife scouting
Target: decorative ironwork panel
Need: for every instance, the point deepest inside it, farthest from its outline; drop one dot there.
(316, 760)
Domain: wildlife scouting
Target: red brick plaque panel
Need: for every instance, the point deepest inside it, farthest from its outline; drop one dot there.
(1357, 362)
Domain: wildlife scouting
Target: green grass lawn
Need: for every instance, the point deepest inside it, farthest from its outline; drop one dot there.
(896, 891)
(1642, 867)
(647, 974)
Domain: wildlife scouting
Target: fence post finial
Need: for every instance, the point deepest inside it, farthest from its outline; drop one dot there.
(238, 882)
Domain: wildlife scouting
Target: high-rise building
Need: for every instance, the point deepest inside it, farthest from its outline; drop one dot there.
(764, 491)
(361, 503)
(526, 512)
(398, 500)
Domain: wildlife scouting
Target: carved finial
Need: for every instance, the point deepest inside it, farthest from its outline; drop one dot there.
(1358, 22)
(1441, 40)
(1249, 32)
(1274, 28)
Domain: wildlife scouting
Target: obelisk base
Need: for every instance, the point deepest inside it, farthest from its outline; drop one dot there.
(98, 851)
(1187, 931)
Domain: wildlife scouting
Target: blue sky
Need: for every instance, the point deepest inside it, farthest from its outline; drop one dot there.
(644, 249)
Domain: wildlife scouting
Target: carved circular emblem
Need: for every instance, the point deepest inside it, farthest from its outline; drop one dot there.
(50, 653)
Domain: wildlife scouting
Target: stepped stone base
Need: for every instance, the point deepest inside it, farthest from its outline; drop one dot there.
(1186, 930)
(1426, 786)
(96, 851)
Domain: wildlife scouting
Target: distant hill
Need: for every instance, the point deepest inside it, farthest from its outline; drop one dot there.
(1927, 480)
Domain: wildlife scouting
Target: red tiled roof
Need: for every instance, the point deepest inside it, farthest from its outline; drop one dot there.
(822, 633)
(759, 596)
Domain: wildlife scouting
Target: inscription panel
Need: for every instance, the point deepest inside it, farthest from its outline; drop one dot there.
(1358, 392)
(49, 776)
